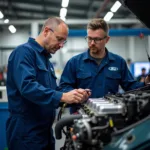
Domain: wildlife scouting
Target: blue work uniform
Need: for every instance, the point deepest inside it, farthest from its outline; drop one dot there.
(82, 71)
(32, 98)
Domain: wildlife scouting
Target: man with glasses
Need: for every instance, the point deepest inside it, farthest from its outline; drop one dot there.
(97, 68)
(31, 89)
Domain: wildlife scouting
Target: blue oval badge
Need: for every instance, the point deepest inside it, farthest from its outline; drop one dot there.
(113, 68)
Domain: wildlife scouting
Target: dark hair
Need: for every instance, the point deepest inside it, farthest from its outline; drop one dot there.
(53, 22)
(98, 23)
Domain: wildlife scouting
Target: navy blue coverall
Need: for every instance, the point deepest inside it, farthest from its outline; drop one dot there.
(32, 98)
(82, 71)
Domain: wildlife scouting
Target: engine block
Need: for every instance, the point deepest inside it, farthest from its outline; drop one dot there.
(99, 120)
(103, 106)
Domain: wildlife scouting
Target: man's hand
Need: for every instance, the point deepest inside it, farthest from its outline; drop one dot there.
(147, 80)
(85, 92)
(75, 96)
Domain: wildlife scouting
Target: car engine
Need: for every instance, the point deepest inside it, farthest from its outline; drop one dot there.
(101, 122)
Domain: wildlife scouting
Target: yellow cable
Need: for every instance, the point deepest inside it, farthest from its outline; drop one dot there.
(111, 123)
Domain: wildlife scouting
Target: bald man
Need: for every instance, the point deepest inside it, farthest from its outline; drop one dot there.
(31, 89)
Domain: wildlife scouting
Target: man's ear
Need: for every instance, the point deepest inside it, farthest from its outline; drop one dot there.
(107, 39)
(46, 31)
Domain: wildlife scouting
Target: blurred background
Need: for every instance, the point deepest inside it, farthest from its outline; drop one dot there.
(22, 19)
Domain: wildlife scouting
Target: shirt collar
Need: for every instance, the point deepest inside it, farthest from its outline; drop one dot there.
(38, 47)
(109, 55)
(87, 55)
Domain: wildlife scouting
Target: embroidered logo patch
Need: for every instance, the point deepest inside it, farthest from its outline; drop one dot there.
(113, 68)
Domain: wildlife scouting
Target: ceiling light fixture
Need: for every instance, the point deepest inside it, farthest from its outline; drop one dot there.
(63, 12)
(63, 18)
(116, 6)
(65, 3)
(12, 29)
(1, 15)
(108, 16)
(6, 21)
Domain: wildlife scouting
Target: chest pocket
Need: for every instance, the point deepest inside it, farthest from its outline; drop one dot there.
(112, 81)
(84, 79)
(42, 75)
(113, 76)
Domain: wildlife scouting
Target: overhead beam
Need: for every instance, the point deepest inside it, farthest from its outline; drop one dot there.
(73, 21)
(48, 11)
(52, 4)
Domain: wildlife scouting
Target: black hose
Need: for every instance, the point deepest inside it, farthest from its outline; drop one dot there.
(65, 121)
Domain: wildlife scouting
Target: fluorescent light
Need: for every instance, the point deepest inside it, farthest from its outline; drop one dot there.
(65, 3)
(108, 16)
(63, 12)
(1, 15)
(116, 6)
(6, 21)
(63, 18)
(12, 29)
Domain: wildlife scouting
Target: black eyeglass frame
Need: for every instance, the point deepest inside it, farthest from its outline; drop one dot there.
(60, 41)
(96, 40)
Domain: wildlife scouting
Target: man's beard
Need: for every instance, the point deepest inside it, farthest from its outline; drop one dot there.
(93, 49)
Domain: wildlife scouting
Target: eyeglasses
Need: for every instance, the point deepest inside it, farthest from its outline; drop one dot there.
(59, 39)
(96, 40)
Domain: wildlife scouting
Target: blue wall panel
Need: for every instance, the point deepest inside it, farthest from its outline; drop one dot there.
(3, 117)
(113, 32)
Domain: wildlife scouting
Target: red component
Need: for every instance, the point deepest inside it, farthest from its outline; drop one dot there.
(74, 137)
(75, 113)
(141, 35)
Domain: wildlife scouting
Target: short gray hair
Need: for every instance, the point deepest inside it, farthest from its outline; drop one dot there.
(53, 22)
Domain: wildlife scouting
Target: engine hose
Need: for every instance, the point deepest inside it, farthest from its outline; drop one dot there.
(89, 131)
(65, 121)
